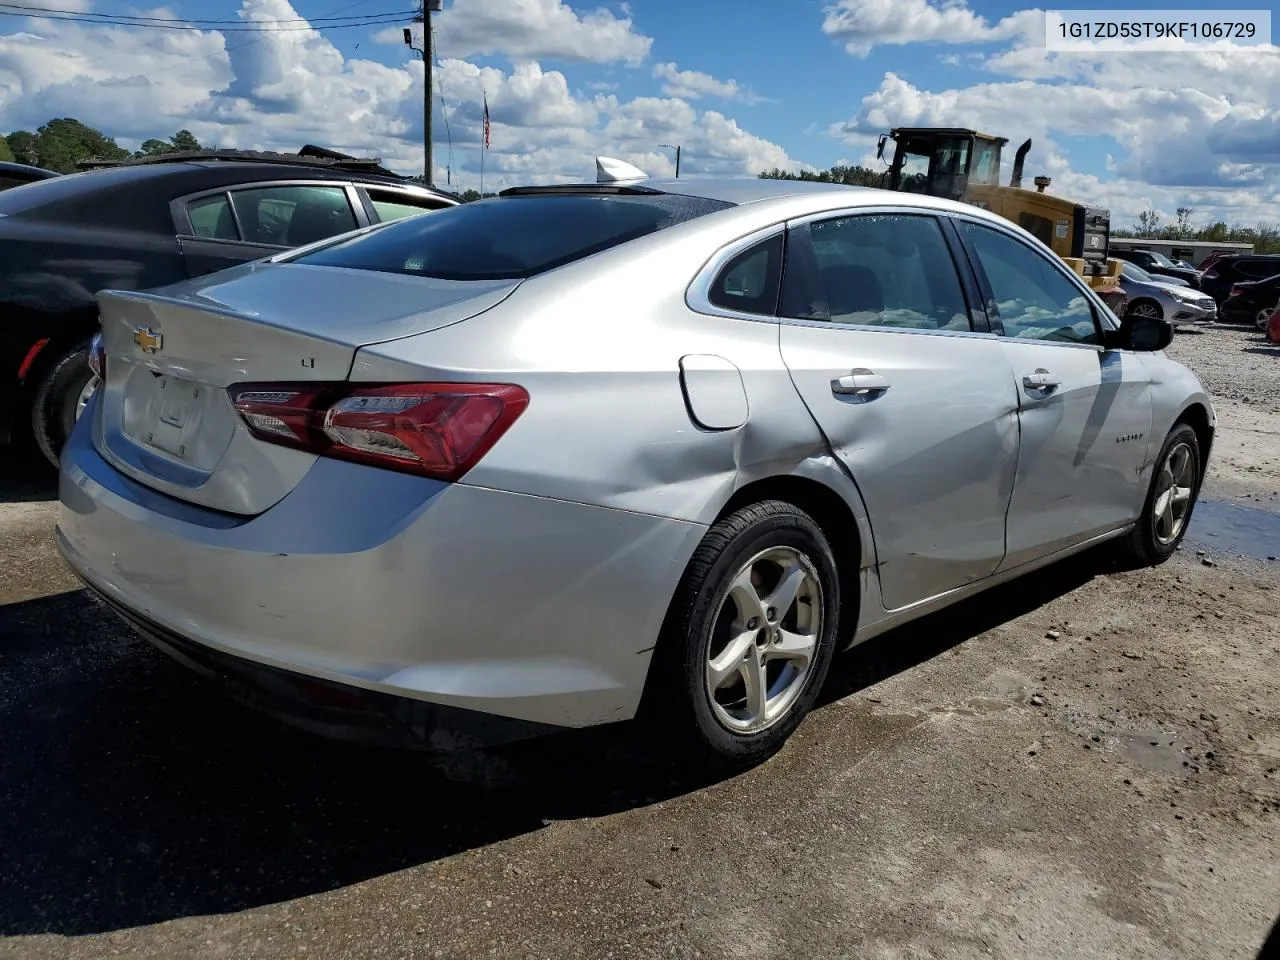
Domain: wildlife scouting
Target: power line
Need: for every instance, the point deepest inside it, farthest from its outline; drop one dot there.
(381, 19)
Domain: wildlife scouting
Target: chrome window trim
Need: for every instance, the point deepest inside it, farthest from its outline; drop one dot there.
(182, 221)
(697, 296)
(1101, 312)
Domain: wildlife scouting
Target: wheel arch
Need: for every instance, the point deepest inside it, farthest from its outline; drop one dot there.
(1196, 416)
(846, 531)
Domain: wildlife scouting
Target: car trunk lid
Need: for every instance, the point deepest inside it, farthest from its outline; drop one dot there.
(165, 417)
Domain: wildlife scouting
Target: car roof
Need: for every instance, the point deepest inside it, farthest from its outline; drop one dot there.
(760, 197)
(26, 170)
(125, 187)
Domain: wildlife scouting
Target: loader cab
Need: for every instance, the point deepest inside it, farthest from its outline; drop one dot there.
(942, 161)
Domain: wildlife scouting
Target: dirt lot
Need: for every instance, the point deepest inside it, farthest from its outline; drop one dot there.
(1083, 764)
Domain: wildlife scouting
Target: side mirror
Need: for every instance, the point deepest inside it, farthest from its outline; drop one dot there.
(880, 146)
(1145, 334)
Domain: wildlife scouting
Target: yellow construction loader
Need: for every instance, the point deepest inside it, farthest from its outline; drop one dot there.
(961, 164)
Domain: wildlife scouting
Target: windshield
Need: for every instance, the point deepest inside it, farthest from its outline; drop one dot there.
(1161, 259)
(510, 238)
(1135, 273)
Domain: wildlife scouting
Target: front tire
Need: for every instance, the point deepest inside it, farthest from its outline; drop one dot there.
(748, 639)
(60, 397)
(1166, 513)
(1146, 308)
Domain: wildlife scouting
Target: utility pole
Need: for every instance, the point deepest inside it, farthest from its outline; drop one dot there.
(424, 17)
(676, 148)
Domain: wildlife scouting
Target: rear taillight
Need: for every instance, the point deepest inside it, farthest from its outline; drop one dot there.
(98, 357)
(1235, 291)
(438, 430)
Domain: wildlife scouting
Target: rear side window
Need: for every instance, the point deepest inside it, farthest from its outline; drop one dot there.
(293, 216)
(879, 270)
(390, 205)
(1259, 269)
(749, 282)
(510, 237)
(211, 217)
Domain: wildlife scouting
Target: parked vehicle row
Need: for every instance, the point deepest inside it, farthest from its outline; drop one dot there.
(146, 223)
(1224, 272)
(632, 449)
(1157, 264)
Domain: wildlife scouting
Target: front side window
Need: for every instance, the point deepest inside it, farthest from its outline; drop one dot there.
(1033, 298)
(882, 270)
(294, 215)
(749, 282)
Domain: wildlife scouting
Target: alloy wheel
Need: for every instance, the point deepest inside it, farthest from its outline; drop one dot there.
(1175, 485)
(764, 640)
(1145, 310)
(86, 394)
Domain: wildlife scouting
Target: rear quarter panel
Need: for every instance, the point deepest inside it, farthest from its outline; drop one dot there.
(599, 347)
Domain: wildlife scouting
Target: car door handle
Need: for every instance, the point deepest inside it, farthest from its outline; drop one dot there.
(860, 383)
(1041, 380)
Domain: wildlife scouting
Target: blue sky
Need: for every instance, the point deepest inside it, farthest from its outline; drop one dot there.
(741, 84)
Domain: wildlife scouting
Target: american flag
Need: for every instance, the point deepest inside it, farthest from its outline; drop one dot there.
(486, 121)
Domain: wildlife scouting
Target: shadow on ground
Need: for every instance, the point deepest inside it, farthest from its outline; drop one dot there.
(130, 795)
(24, 479)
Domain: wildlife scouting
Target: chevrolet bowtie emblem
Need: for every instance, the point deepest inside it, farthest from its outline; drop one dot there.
(149, 340)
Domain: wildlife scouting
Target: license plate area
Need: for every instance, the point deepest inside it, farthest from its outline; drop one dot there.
(167, 416)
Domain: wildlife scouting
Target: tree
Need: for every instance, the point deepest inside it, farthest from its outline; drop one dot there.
(63, 143)
(184, 140)
(1148, 221)
(153, 148)
(22, 144)
(1184, 222)
(6, 155)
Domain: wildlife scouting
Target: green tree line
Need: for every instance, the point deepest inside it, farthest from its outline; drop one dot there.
(853, 176)
(62, 144)
(1265, 237)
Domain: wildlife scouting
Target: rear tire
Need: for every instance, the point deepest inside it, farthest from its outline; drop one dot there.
(721, 624)
(57, 399)
(1166, 515)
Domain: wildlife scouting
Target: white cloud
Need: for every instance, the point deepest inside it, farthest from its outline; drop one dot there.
(693, 85)
(863, 24)
(534, 30)
(282, 89)
(1180, 140)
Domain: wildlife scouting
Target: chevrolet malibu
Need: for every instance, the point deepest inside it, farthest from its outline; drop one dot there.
(631, 449)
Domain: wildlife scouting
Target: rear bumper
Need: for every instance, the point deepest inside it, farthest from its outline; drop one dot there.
(1238, 313)
(515, 606)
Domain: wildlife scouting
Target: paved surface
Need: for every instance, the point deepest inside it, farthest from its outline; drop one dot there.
(1083, 764)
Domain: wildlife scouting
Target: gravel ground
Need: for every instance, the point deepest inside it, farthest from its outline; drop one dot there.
(1082, 764)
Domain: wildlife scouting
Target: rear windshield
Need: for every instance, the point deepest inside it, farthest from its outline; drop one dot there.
(510, 237)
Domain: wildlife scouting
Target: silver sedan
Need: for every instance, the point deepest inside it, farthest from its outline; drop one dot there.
(631, 449)
(1152, 296)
